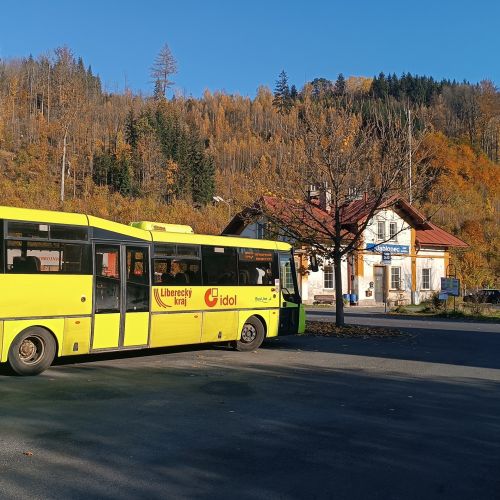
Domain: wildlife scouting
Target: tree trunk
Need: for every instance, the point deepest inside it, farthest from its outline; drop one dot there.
(63, 165)
(339, 301)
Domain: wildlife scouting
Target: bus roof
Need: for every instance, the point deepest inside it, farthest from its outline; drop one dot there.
(228, 241)
(49, 216)
(34, 215)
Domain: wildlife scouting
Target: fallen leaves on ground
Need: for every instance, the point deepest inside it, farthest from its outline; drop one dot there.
(326, 329)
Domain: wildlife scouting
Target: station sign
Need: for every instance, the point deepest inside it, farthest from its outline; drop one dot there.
(387, 247)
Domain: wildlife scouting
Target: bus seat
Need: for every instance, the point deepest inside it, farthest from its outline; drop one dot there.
(244, 277)
(26, 265)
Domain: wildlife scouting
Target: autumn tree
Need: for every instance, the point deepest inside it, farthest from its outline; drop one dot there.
(343, 156)
(163, 68)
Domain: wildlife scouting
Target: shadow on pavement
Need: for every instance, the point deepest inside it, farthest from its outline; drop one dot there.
(462, 348)
(252, 431)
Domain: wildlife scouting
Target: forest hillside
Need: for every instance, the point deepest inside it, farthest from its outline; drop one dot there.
(66, 144)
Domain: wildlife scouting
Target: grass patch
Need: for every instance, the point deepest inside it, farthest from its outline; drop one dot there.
(485, 314)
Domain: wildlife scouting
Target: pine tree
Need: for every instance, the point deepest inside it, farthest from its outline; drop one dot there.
(158, 94)
(131, 132)
(202, 176)
(293, 93)
(340, 85)
(282, 101)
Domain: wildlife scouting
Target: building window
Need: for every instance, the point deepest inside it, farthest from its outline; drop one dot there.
(393, 229)
(261, 230)
(381, 230)
(395, 278)
(426, 278)
(328, 277)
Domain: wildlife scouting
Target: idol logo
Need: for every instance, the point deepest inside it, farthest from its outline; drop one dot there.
(212, 298)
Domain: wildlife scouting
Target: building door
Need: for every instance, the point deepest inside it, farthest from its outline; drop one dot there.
(379, 279)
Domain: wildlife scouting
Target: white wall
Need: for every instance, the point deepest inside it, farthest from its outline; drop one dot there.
(433, 259)
(404, 232)
(315, 284)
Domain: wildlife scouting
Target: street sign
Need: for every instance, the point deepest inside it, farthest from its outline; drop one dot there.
(450, 286)
(386, 257)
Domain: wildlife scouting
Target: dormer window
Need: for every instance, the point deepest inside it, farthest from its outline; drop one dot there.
(393, 231)
(381, 230)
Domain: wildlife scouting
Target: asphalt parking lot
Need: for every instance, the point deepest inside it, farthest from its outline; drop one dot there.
(304, 417)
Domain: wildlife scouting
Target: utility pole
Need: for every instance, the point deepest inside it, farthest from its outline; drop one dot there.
(409, 152)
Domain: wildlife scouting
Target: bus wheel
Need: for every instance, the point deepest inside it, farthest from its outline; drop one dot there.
(252, 335)
(32, 351)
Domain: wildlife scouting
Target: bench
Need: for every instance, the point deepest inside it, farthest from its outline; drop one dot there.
(324, 299)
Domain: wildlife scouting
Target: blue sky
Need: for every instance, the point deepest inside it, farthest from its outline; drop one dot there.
(236, 46)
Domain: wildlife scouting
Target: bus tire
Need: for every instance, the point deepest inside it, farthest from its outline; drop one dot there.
(32, 351)
(252, 335)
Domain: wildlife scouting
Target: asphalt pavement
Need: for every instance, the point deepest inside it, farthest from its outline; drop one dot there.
(302, 418)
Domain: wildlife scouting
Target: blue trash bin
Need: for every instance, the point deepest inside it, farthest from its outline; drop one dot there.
(353, 299)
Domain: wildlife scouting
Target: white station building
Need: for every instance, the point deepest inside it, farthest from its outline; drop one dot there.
(400, 260)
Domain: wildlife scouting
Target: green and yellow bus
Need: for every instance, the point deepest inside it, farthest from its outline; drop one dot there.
(73, 284)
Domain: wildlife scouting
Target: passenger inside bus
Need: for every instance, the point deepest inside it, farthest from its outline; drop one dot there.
(176, 274)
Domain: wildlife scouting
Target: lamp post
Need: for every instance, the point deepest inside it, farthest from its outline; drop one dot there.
(219, 199)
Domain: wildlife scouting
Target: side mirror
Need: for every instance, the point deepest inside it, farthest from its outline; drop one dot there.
(313, 263)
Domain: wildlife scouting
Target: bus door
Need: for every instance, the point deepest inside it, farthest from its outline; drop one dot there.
(289, 295)
(121, 298)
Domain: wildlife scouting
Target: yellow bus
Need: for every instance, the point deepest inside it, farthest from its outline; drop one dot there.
(73, 284)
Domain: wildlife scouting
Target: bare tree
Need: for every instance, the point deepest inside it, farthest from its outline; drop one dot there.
(70, 100)
(344, 155)
(163, 67)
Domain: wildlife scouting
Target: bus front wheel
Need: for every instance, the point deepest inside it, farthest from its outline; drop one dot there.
(32, 351)
(252, 335)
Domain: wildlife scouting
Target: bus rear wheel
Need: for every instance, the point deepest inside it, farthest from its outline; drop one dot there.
(32, 351)
(252, 335)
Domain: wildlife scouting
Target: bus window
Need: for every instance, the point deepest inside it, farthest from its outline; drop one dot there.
(288, 278)
(137, 279)
(27, 230)
(107, 271)
(60, 232)
(32, 257)
(2, 249)
(219, 266)
(177, 265)
(255, 266)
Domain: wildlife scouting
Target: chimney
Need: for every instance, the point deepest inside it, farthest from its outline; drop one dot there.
(365, 197)
(313, 195)
(325, 197)
(320, 195)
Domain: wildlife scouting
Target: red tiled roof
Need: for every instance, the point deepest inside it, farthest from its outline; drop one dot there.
(316, 219)
(435, 236)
